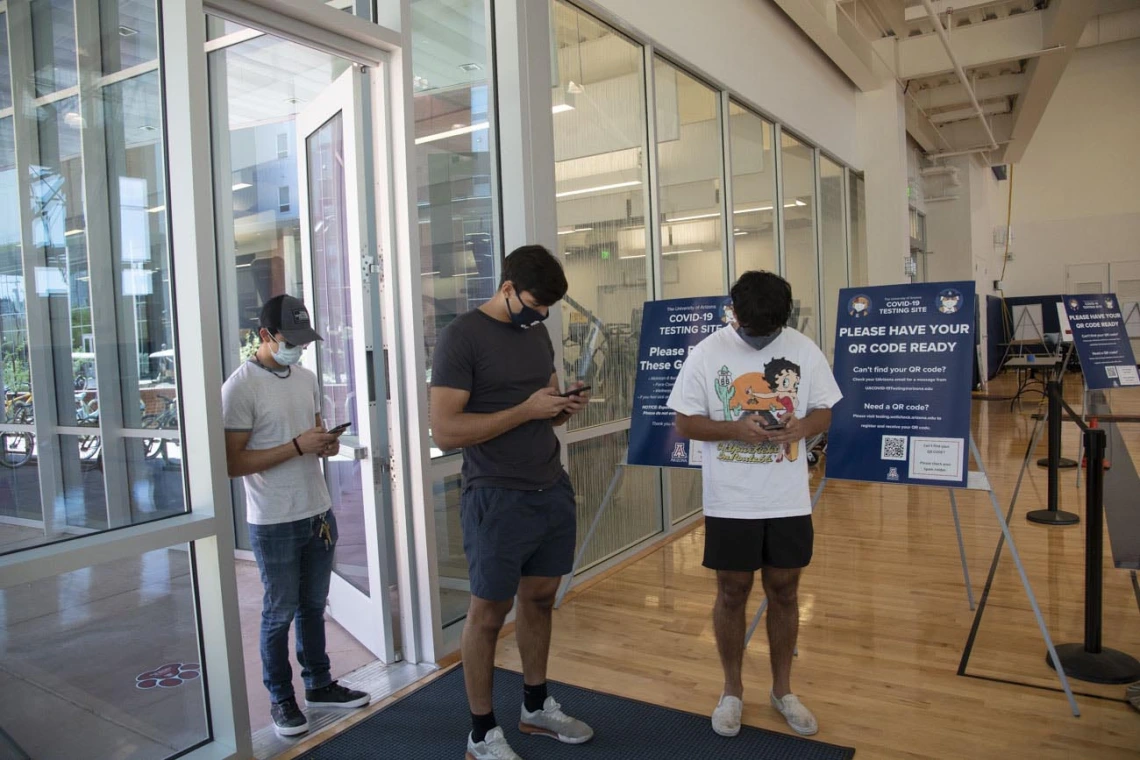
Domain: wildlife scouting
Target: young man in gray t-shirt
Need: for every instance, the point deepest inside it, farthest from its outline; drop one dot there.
(274, 442)
(495, 395)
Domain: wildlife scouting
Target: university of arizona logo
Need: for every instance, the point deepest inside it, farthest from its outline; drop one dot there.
(893, 473)
(679, 453)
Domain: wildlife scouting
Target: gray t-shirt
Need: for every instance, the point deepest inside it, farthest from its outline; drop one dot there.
(501, 366)
(275, 410)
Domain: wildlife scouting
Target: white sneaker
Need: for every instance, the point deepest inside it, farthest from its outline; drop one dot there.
(799, 717)
(551, 721)
(493, 747)
(726, 716)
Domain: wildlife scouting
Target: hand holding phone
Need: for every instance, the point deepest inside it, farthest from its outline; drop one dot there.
(575, 391)
(768, 420)
(339, 429)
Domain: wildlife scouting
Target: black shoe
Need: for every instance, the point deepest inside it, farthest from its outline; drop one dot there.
(288, 718)
(335, 695)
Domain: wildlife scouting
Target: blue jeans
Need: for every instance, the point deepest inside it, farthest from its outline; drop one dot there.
(296, 566)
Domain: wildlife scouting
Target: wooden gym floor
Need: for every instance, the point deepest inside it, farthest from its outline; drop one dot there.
(885, 620)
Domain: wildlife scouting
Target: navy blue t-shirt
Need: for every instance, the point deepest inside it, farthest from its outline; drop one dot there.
(501, 366)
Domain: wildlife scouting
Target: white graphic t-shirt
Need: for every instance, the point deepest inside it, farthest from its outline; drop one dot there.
(724, 378)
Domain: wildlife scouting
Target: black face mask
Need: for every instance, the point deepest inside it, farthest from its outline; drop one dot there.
(758, 342)
(526, 317)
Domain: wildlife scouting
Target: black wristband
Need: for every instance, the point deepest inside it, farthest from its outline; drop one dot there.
(297, 446)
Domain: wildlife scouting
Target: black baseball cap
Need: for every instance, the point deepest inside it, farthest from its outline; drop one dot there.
(287, 315)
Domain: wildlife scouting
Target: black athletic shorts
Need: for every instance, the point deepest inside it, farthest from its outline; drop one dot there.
(748, 545)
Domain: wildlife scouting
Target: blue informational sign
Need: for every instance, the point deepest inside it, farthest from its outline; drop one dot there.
(904, 359)
(669, 331)
(1102, 342)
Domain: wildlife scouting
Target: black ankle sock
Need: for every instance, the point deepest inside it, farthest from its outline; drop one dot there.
(481, 724)
(534, 697)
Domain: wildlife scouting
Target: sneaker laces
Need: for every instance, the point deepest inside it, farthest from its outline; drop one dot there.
(496, 742)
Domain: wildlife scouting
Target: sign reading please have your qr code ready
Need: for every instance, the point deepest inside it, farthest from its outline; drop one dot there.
(904, 359)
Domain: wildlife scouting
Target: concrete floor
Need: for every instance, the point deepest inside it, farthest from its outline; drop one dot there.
(76, 650)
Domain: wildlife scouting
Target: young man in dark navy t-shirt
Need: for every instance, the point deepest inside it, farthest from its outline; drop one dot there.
(495, 394)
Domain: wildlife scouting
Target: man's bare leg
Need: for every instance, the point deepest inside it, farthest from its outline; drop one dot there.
(781, 586)
(733, 588)
(480, 635)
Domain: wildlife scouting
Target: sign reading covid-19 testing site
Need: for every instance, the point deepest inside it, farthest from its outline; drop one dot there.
(669, 331)
(904, 360)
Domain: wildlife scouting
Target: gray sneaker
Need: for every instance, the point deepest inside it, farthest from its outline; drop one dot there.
(493, 747)
(551, 721)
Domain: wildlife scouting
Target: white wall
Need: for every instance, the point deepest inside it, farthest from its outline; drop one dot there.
(754, 49)
(1076, 195)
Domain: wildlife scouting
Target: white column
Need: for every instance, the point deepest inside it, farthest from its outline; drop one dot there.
(881, 128)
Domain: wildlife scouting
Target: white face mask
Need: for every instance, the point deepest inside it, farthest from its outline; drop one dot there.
(287, 357)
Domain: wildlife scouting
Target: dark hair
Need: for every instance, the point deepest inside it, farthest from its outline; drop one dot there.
(534, 269)
(775, 368)
(762, 302)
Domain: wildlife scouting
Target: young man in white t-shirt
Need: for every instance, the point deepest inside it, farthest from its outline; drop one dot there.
(274, 442)
(752, 393)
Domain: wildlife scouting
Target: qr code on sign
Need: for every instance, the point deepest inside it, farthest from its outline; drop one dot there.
(894, 447)
(1111, 372)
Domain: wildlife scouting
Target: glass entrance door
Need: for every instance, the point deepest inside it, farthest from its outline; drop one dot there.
(334, 245)
(290, 136)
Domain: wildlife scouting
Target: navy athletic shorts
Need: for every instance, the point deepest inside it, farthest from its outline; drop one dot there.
(508, 534)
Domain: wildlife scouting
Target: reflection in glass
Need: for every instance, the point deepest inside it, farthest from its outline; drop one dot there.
(451, 76)
(328, 239)
(62, 274)
(5, 65)
(53, 45)
(145, 701)
(857, 215)
(753, 191)
(136, 188)
(634, 513)
(833, 230)
(689, 157)
(599, 148)
(454, 585)
(129, 33)
(799, 234)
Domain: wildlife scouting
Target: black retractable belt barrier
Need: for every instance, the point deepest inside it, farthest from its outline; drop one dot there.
(1054, 515)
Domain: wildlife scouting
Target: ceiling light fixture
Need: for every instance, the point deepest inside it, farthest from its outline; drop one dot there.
(126, 31)
(453, 133)
(794, 204)
(572, 230)
(469, 67)
(156, 209)
(241, 186)
(598, 189)
(562, 108)
(692, 218)
(73, 233)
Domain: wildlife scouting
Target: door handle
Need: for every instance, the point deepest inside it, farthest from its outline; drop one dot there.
(351, 449)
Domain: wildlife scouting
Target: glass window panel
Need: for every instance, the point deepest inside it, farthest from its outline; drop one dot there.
(53, 44)
(753, 191)
(333, 300)
(634, 513)
(799, 234)
(5, 65)
(62, 274)
(129, 33)
(132, 113)
(833, 229)
(600, 143)
(858, 218)
(685, 493)
(451, 63)
(454, 583)
(62, 651)
(690, 158)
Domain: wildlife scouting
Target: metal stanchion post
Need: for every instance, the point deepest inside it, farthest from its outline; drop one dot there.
(1053, 515)
(1090, 661)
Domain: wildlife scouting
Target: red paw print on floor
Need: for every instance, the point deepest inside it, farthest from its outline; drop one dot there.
(168, 676)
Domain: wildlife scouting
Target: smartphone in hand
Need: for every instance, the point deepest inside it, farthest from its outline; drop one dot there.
(768, 420)
(575, 391)
(339, 429)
